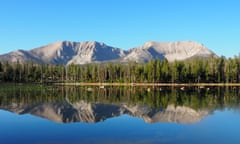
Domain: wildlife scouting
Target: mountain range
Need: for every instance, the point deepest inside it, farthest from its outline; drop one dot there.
(67, 52)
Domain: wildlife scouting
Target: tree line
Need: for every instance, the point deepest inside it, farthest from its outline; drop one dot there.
(209, 70)
(214, 98)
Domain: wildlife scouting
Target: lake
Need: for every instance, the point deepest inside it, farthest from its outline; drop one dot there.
(36, 114)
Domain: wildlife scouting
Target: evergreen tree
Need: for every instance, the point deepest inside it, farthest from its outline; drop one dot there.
(212, 70)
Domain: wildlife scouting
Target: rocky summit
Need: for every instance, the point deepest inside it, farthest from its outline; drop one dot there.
(67, 52)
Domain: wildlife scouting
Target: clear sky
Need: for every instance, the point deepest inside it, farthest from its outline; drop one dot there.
(26, 24)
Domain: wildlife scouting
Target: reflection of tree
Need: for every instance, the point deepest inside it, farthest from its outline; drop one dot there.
(154, 97)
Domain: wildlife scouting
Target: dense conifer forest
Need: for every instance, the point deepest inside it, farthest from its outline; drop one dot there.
(211, 70)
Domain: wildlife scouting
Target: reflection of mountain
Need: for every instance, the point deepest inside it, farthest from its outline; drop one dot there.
(178, 114)
(89, 112)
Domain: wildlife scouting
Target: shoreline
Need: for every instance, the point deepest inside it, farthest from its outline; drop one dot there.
(147, 84)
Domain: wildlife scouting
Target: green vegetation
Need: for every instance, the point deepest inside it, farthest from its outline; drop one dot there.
(212, 70)
(159, 97)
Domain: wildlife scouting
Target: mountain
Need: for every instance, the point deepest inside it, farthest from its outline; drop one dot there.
(96, 112)
(175, 50)
(66, 52)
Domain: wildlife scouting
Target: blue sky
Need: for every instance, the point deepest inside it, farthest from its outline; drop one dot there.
(26, 24)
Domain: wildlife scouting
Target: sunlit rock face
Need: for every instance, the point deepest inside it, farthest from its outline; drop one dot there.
(181, 50)
(67, 52)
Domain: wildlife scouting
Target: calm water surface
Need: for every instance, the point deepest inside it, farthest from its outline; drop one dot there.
(141, 115)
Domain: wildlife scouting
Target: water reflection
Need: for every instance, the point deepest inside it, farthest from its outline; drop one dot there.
(95, 104)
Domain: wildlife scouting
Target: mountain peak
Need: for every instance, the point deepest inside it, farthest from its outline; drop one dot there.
(149, 44)
(92, 43)
(84, 43)
(155, 43)
(179, 50)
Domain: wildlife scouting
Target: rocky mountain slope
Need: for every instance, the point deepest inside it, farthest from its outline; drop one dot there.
(169, 50)
(66, 52)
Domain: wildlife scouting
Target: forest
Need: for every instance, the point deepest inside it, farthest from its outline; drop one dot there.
(209, 70)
